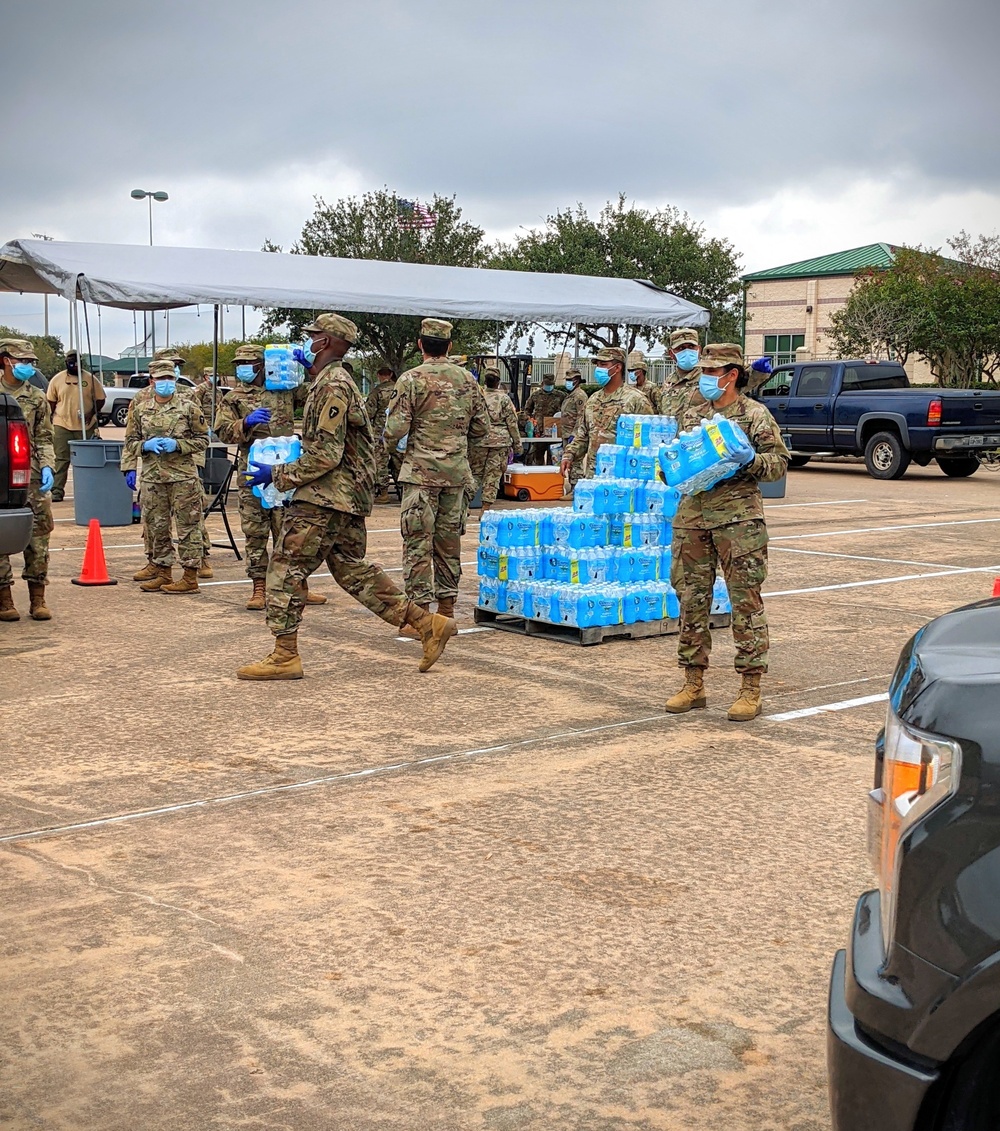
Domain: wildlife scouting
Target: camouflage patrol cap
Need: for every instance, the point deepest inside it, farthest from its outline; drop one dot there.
(436, 328)
(162, 368)
(168, 353)
(720, 354)
(336, 325)
(249, 352)
(574, 373)
(18, 347)
(491, 370)
(637, 360)
(684, 337)
(610, 353)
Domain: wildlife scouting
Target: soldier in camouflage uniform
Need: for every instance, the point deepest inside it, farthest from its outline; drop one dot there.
(169, 432)
(572, 413)
(325, 521)
(503, 436)
(17, 358)
(377, 405)
(247, 413)
(684, 348)
(639, 379)
(599, 424)
(441, 409)
(725, 526)
(546, 400)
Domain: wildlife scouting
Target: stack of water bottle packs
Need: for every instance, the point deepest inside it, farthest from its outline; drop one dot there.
(605, 560)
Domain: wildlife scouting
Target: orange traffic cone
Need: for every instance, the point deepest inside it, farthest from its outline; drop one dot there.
(996, 587)
(95, 570)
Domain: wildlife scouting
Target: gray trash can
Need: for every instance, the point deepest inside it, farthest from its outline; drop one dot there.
(775, 490)
(99, 488)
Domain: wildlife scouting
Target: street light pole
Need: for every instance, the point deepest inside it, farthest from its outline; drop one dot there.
(140, 194)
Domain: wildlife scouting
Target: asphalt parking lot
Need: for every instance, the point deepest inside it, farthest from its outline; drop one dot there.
(510, 893)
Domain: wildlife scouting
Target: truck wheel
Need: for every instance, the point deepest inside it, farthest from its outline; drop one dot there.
(960, 467)
(119, 415)
(972, 1101)
(885, 456)
(799, 461)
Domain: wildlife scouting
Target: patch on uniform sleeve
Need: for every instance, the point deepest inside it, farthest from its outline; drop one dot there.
(332, 413)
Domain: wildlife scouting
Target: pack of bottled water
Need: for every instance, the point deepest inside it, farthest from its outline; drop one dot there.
(698, 459)
(607, 495)
(642, 431)
(720, 597)
(281, 370)
(269, 452)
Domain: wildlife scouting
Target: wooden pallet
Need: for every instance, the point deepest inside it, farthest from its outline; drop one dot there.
(528, 626)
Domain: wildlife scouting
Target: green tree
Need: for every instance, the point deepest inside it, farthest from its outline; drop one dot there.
(369, 227)
(51, 354)
(945, 310)
(664, 246)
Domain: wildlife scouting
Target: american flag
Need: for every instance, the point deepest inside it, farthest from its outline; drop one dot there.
(411, 215)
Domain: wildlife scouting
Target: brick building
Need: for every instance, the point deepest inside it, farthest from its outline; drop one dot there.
(789, 308)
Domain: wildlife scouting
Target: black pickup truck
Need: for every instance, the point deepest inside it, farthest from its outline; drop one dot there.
(15, 475)
(870, 409)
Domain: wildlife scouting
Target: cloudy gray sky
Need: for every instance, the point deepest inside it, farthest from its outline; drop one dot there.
(794, 127)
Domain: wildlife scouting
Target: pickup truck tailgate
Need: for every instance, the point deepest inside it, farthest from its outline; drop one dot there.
(969, 419)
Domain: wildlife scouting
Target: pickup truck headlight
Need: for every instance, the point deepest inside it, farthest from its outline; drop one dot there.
(919, 772)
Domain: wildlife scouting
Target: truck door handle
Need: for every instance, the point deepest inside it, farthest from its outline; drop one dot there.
(820, 405)
(782, 404)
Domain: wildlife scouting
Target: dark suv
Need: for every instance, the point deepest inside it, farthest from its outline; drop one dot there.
(913, 1040)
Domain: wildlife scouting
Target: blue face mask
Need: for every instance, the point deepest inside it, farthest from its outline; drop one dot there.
(548, 388)
(23, 370)
(245, 373)
(165, 388)
(633, 377)
(571, 385)
(308, 355)
(602, 376)
(687, 359)
(709, 387)
(177, 371)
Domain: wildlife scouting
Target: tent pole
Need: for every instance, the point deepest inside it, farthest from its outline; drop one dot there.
(167, 342)
(79, 365)
(100, 346)
(215, 360)
(135, 340)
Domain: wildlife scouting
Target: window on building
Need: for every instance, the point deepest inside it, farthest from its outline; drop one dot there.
(780, 348)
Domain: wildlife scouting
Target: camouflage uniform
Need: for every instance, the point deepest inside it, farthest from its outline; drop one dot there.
(573, 408)
(441, 409)
(725, 526)
(39, 420)
(539, 405)
(376, 406)
(333, 482)
(171, 489)
(684, 383)
(599, 423)
(503, 436)
(257, 521)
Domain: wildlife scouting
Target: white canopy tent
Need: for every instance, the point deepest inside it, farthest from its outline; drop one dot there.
(135, 277)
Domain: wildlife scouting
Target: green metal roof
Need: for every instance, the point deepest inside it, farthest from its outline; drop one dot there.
(840, 263)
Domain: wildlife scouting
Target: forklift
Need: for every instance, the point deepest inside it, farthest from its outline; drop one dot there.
(518, 367)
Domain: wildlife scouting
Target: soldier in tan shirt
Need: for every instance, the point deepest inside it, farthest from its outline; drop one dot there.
(63, 395)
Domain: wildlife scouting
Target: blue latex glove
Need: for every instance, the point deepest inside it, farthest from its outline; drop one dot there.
(300, 357)
(762, 365)
(47, 480)
(745, 456)
(258, 416)
(168, 444)
(152, 445)
(257, 475)
(130, 480)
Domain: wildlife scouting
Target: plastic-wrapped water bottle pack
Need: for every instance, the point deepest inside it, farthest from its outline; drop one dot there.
(698, 459)
(269, 452)
(281, 370)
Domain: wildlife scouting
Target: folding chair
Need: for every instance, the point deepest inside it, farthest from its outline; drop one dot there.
(217, 478)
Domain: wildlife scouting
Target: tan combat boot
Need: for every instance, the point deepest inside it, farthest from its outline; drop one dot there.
(7, 610)
(283, 662)
(38, 610)
(382, 497)
(187, 584)
(313, 598)
(147, 573)
(258, 600)
(748, 705)
(691, 695)
(407, 629)
(205, 570)
(435, 632)
(164, 575)
(446, 607)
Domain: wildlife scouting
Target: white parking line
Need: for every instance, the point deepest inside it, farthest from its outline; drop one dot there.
(861, 557)
(833, 503)
(879, 581)
(843, 705)
(883, 529)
